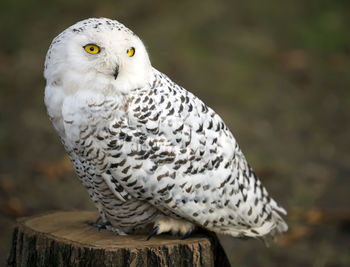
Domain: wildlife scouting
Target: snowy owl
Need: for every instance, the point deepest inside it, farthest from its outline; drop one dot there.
(148, 151)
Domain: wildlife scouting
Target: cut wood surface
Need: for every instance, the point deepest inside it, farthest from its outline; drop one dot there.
(64, 239)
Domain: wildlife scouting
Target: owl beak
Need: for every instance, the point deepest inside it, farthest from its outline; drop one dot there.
(116, 72)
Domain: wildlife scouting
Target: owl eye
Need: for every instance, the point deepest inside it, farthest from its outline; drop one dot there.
(130, 52)
(92, 48)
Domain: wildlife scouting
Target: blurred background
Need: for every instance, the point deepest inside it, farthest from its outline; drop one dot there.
(278, 72)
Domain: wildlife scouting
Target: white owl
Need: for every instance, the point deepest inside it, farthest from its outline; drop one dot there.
(147, 150)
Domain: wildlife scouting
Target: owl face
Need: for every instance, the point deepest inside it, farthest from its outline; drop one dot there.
(97, 53)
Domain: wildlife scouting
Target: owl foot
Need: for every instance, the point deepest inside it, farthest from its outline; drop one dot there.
(187, 235)
(153, 232)
(176, 227)
(98, 225)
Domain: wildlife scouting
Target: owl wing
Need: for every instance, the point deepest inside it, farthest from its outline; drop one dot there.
(176, 153)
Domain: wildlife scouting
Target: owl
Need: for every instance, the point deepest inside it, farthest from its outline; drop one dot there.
(148, 151)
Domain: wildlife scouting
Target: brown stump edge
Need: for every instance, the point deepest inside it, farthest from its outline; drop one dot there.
(30, 247)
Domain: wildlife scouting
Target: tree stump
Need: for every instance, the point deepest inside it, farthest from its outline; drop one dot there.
(64, 239)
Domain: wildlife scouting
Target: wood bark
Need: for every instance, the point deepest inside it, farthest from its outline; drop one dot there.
(64, 239)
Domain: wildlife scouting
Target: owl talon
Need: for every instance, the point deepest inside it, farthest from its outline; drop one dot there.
(187, 235)
(98, 219)
(153, 232)
(99, 226)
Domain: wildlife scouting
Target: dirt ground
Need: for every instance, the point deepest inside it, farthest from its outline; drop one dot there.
(278, 73)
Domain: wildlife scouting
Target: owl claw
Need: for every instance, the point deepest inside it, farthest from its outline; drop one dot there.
(153, 232)
(187, 235)
(99, 226)
(98, 219)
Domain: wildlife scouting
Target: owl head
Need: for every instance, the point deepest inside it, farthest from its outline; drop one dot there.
(97, 54)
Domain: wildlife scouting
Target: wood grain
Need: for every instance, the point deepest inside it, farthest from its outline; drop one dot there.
(64, 239)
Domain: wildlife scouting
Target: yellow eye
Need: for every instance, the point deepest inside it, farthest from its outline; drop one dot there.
(92, 48)
(130, 52)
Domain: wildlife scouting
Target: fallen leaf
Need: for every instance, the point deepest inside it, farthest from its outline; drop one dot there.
(293, 235)
(54, 170)
(13, 207)
(7, 184)
(295, 60)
